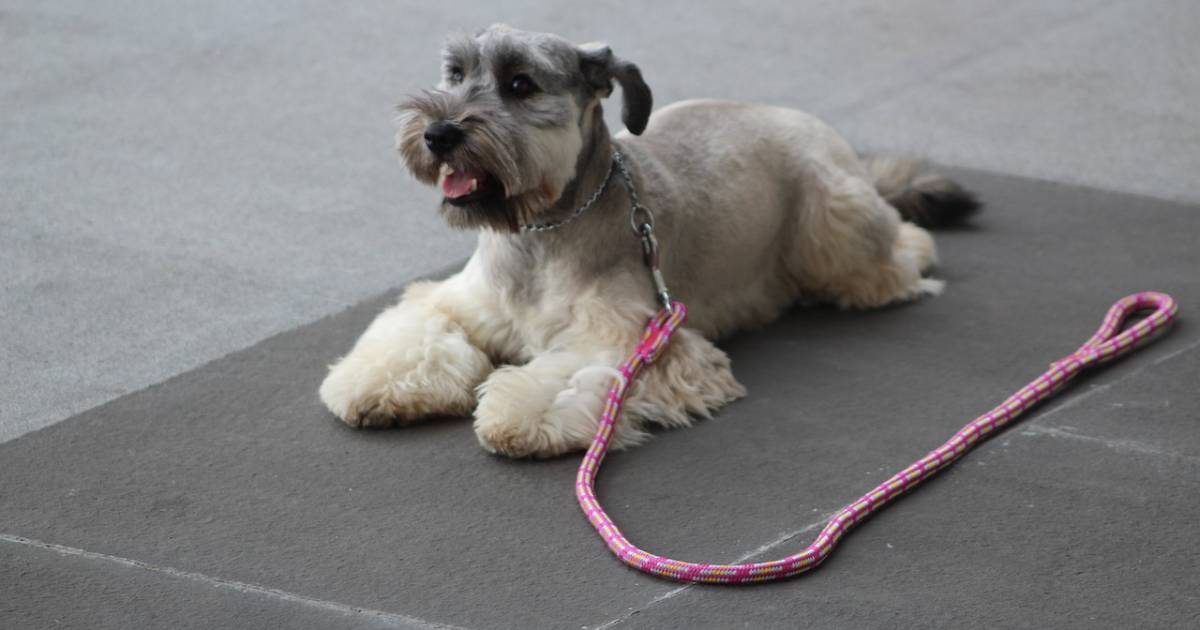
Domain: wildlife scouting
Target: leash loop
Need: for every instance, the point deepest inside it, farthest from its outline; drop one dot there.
(1110, 341)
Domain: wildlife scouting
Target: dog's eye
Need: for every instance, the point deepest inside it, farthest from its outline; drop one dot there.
(521, 86)
(456, 75)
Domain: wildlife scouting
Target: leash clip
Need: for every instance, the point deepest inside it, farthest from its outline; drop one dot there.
(641, 219)
(650, 256)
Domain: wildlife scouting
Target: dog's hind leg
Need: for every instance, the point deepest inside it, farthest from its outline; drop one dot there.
(854, 249)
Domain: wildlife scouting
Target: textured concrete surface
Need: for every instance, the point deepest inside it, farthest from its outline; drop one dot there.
(51, 586)
(180, 181)
(1081, 516)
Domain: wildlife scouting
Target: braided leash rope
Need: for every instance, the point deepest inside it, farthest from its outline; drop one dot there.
(1108, 343)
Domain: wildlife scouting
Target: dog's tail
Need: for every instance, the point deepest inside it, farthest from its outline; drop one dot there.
(927, 199)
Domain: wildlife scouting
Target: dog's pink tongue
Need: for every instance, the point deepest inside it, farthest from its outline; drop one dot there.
(459, 184)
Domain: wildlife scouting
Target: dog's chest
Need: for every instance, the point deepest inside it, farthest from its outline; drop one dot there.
(517, 283)
(539, 290)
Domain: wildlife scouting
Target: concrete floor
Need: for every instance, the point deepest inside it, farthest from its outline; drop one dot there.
(180, 184)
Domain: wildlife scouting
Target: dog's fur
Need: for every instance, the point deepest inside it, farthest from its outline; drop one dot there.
(756, 208)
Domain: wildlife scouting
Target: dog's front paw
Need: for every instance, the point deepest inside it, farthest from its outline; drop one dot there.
(522, 415)
(382, 387)
(509, 418)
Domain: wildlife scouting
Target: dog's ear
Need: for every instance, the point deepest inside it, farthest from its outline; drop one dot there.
(600, 66)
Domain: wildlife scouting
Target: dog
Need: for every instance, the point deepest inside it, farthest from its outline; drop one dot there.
(756, 208)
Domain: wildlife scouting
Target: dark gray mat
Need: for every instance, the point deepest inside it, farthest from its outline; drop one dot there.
(64, 588)
(1084, 515)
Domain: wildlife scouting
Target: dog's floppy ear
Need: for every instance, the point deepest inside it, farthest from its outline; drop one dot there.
(600, 66)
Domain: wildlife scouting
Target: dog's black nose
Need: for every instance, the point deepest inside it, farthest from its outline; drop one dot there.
(442, 136)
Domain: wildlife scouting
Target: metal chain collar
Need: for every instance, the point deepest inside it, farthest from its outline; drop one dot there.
(641, 220)
(552, 225)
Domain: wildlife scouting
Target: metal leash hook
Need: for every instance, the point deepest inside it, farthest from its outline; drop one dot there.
(641, 219)
(650, 255)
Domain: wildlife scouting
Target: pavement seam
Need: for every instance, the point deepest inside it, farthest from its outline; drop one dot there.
(1078, 398)
(389, 619)
(1127, 446)
(761, 549)
(439, 273)
(1038, 426)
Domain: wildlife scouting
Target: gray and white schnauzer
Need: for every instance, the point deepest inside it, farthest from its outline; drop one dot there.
(757, 207)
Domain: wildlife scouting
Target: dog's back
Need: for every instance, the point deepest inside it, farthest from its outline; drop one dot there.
(709, 137)
(770, 204)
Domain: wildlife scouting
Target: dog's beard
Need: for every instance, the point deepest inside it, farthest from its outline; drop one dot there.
(502, 200)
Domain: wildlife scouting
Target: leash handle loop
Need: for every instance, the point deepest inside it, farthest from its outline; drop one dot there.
(1111, 340)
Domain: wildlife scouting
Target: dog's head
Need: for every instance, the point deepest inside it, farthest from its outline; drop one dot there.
(503, 132)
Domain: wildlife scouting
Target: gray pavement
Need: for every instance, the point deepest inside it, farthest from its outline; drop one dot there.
(180, 181)
(229, 495)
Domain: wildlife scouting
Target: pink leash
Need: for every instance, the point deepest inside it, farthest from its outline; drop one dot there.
(1108, 343)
